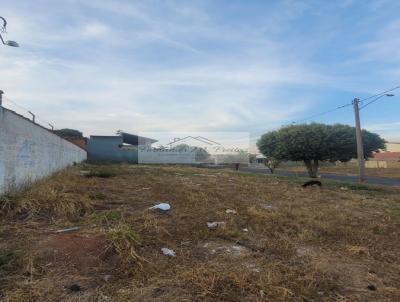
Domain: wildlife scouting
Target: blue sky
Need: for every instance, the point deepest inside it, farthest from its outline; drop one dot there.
(215, 65)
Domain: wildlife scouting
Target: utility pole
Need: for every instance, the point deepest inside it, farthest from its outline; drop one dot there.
(360, 149)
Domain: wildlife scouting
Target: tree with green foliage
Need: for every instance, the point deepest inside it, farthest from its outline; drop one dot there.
(272, 163)
(312, 143)
(68, 133)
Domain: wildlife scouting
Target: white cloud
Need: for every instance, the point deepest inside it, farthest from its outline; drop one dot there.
(96, 29)
(386, 46)
(101, 66)
(390, 131)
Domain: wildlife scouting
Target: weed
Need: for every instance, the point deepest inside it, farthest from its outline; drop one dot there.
(234, 233)
(107, 217)
(311, 245)
(9, 261)
(356, 186)
(101, 174)
(211, 282)
(97, 196)
(57, 197)
(125, 241)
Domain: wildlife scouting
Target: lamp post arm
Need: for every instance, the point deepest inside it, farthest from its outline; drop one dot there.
(1, 38)
(4, 24)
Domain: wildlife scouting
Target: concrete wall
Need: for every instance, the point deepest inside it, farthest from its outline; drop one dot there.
(393, 147)
(374, 164)
(110, 149)
(29, 152)
(382, 164)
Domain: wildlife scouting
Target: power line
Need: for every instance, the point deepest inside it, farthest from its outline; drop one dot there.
(14, 103)
(379, 94)
(372, 101)
(25, 109)
(321, 113)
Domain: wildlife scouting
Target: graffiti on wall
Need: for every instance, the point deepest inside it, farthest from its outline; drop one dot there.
(25, 151)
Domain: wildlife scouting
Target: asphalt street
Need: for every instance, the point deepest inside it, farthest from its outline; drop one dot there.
(339, 177)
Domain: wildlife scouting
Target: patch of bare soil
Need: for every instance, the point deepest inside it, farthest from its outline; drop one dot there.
(223, 248)
(84, 254)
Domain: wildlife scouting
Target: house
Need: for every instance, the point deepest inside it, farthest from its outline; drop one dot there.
(384, 159)
(198, 141)
(116, 148)
(260, 159)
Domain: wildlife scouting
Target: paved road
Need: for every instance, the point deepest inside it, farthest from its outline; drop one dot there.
(340, 177)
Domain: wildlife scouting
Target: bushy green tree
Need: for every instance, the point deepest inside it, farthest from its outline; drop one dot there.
(312, 143)
(272, 163)
(66, 132)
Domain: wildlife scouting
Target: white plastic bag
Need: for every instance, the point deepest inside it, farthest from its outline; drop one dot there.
(168, 252)
(214, 224)
(161, 206)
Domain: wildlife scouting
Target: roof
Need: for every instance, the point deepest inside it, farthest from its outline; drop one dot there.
(128, 138)
(136, 139)
(197, 138)
(393, 156)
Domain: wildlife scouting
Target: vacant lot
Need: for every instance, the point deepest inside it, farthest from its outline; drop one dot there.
(280, 243)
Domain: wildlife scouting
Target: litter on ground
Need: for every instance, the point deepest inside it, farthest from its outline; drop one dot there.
(267, 206)
(161, 206)
(230, 211)
(73, 229)
(215, 224)
(168, 252)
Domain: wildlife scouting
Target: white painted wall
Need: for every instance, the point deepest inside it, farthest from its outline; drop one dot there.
(29, 152)
(393, 147)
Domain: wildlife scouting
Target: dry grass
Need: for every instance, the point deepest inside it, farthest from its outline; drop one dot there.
(285, 243)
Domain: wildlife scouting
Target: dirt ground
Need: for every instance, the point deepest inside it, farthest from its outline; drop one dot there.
(281, 242)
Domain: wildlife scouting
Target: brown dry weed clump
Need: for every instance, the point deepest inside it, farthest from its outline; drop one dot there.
(281, 242)
(53, 198)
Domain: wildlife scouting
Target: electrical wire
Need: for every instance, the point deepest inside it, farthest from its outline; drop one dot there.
(25, 109)
(321, 113)
(379, 94)
(15, 104)
(374, 100)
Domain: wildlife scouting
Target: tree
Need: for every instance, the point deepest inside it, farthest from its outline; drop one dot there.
(201, 154)
(252, 158)
(272, 163)
(312, 143)
(68, 133)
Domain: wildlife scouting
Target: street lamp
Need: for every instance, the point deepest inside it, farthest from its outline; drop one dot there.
(360, 148)
(3, 30)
